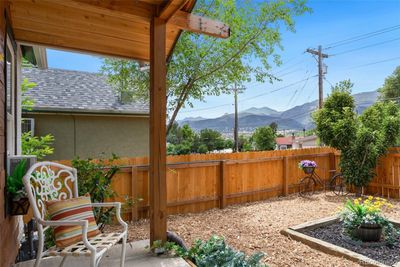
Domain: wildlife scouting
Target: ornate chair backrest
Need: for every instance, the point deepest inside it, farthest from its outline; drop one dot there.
(47, 181)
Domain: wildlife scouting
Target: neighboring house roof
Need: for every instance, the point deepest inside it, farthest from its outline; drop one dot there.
(287, 140)
(76, 91)
(306, 139)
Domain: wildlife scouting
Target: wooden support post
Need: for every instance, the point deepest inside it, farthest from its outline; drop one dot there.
(134, 177)
(158, 109)
(285, 189)
(222, 199)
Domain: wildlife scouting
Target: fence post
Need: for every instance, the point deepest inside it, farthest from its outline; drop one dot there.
(332, 161)
(222, 200)
(134, 177)
(285, 189)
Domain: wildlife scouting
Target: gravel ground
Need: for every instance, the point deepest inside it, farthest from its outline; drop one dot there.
(333, 234)
(255, 227)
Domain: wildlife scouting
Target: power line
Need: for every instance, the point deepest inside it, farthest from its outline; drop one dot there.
(249, 98)
(366, 46)
(275, 90)
(362, 37)
(373, 63)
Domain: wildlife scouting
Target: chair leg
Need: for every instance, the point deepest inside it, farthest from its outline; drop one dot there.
(123, 252)
(40, 246)
(63, 261)
(93, 261)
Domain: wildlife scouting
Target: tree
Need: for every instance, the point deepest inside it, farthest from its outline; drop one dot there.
(274, 127)
(391, 88)
(244, 143)
(203, 65)
(264, 138)
(38, 146)
(27, 102)
(213, 140)
(363, 139)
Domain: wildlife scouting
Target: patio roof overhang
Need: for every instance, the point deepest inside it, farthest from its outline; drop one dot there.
(118, 28)
(144, 30)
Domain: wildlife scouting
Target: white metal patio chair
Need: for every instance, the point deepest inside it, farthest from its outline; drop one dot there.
(46, 181)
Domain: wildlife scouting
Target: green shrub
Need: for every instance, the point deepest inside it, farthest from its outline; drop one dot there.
(215, 252)
(95, 178)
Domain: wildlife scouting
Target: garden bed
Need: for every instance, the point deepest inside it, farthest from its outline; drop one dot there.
(326, 235)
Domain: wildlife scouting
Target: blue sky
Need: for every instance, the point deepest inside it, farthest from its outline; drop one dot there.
(331, 21)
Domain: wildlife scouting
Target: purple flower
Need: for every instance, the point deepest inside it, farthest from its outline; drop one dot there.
(307, 163)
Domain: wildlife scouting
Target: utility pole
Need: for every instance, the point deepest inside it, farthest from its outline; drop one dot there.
(236, 90)
(236, 131)
(321, 72)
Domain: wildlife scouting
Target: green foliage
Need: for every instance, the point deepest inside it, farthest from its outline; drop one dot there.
(361, 139)
(201, 65)
(95, 178)
(15, 186)
(215, 252)
(391, 88)
(27, 102)
(358, 212)
(37, 146)
(337, 122)
(212, 139)
(183, 140)
(264, 138)
(245, 143)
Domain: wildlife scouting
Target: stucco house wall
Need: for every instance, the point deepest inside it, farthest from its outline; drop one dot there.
(85, 115)
(90, 135)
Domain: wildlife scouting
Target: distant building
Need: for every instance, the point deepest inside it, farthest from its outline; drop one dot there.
(283, 143)
(85, 115)
(306, 142)
(292, 142)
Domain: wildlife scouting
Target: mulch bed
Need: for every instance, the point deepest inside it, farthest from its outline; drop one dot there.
(333, 234)
(256, 227)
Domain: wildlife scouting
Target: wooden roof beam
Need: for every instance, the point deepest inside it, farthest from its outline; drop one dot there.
(194, 23)
(171, 8)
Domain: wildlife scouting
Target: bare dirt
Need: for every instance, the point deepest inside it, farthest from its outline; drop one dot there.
(256, 227)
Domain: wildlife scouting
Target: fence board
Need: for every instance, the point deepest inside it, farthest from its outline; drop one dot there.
(200, 182)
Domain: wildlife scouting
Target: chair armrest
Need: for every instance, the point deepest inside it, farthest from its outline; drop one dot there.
(65, 223)
(107, 204)
(117, 206)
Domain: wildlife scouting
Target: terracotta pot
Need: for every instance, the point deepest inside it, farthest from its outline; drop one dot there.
(368, 232)
(308, 170)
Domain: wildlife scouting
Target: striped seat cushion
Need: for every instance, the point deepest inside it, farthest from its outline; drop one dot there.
(73, 209)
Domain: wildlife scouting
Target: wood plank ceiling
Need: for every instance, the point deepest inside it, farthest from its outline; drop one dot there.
(118, 28)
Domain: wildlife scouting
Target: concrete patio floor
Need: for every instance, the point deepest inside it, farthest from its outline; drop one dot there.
(136, 256)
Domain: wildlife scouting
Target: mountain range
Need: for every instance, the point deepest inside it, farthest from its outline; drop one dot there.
(296, 118)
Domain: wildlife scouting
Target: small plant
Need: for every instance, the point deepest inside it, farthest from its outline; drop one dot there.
(15, 186)
(307, 164)
(215, 252)
(360, 213)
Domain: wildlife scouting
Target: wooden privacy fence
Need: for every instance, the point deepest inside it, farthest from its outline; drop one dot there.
(201, 182)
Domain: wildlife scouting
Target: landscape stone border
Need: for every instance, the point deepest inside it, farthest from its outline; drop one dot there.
(294, 232)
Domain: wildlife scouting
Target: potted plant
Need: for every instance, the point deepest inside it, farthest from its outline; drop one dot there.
(18, 202)
(364, 220)
(308, 166)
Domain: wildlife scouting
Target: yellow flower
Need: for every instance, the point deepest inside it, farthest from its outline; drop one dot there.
(356, 201)
(370, 197)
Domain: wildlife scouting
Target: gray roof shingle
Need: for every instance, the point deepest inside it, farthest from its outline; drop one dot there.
(76, 91)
